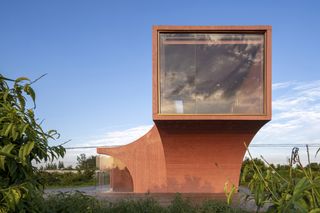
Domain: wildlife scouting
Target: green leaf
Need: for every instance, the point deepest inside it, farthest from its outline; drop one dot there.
(30, 92)
(12, 167)
(28, 148)
(12, 197)
(301, 205)
(21, 99)
(6, 149)
(3, 209)
(22, 139)
(229, 194)
(2, 159)
(302, 185)
(5, 96)
(14, 133)
(30, 113)
(21, 79)
(317, 210)
(8, 129)
(23, 129)
(25, 150)
(16, 195)
(3, 118)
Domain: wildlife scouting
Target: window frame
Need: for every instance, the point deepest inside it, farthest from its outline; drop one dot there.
(266, 30)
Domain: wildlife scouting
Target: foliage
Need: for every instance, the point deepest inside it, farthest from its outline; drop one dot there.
(54, 166)
(84, 163)
(229, 191)
(86, 166)
(22, 140)
(213, 206)
(247, 169)
(142, 205)
(181, 205)
(60, 165)
(50, 166)
(298, 191)
(78, 202)
(84, 176)
(72, 202)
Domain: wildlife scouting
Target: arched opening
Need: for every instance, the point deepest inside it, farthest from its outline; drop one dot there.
(120, 179)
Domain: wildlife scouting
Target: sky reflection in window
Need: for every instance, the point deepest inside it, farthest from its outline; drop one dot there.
(211, 73)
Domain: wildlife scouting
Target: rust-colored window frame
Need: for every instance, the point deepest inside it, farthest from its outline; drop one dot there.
(266, 30)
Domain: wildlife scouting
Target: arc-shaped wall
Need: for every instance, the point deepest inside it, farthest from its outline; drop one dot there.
(188, 157)
(145, 161)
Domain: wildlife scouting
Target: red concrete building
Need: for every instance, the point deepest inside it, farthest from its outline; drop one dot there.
(211, 94)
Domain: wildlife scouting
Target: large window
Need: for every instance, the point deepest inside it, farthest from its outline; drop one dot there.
(211, 73)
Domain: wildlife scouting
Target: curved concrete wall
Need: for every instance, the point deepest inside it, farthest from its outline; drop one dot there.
(188, 157)
(145, 161)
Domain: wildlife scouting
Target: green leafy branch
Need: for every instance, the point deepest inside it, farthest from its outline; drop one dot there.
(299, 191)
(22, 140)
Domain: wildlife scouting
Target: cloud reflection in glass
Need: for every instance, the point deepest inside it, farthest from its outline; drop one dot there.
(211, 73)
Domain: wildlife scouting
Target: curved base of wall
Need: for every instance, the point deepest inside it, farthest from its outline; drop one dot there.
(186, 156)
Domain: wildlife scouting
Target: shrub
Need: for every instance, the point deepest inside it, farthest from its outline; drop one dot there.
(65, 179)
(78, 202)
(213, 206)
(298, 191)
(22, 140)
(181, 205)
(148, 205)
(73, 202)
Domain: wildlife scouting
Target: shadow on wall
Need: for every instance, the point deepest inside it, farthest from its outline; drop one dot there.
(189, 183)
(121, 180)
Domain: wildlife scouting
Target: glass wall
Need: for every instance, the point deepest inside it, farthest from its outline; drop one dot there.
(211, 73)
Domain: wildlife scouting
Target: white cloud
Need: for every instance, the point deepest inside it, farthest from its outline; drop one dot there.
(115, 138)
(283, 85)
(296, 118)
(296, 111)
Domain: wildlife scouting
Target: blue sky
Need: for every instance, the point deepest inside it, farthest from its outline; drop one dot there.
(98, 58)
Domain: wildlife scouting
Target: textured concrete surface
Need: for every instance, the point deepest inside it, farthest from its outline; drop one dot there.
(187, 158)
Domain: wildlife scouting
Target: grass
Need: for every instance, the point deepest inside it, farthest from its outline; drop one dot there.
(74, 185)
(67, 180)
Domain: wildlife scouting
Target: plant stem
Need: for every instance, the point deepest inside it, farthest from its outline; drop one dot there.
(260, 174)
